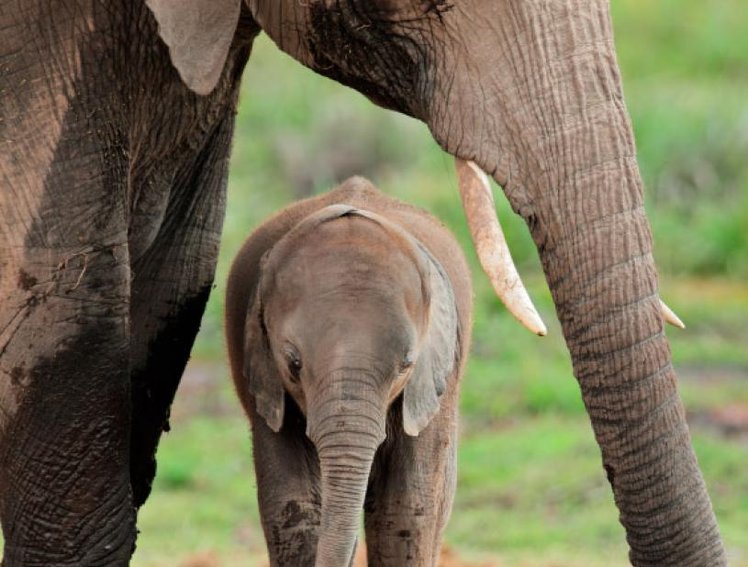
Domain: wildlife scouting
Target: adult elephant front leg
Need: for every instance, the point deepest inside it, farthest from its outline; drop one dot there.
(64, 485)
(64, 346)
(172, 281)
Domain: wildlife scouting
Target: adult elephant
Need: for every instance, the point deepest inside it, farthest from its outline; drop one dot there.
(113, 171)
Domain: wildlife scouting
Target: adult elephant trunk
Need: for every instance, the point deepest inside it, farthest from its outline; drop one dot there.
(569, 168)
(597, 256)
(346, 427)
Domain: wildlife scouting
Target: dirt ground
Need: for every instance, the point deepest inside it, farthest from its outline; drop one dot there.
(448, 559)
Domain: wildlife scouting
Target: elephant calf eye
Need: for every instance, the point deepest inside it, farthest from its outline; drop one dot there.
(406, 363)
(294, 367)
(293, 360)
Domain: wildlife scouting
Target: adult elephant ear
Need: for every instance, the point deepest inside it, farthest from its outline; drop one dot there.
(438, 353)
(198, 34)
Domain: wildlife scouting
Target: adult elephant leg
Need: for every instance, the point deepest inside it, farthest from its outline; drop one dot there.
(171, 284)
(64, 375)
(410, 493)
(64, 484)
(288, 490)
(65, 494)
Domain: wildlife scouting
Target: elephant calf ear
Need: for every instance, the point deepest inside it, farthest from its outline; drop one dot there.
(265, 384)
(198, 34)
(436, 360)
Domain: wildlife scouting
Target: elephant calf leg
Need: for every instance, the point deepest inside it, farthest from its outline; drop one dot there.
(405, 532)
(287, 490)
(409, 498)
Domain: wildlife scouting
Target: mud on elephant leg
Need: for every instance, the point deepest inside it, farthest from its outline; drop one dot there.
(407, 503)
(171, 285)
(64, 488)
(287, 469)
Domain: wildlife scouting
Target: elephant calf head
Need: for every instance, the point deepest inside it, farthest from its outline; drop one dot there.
(349, 303)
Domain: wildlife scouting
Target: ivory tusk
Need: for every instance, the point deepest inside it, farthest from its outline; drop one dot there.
(491, 246)
(670, 316)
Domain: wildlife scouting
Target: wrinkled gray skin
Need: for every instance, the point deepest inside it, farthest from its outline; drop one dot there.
(113, 169)
(348, 321)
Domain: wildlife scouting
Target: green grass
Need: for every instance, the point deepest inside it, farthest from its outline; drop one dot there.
(531, 488)
(205, 489)
(531, 491)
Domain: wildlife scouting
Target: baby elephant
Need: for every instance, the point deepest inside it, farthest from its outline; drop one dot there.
(348, 322)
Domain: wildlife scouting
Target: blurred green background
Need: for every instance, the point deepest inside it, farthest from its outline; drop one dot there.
(531, 488)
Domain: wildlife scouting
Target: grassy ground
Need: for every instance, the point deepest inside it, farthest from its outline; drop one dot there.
(531, 489)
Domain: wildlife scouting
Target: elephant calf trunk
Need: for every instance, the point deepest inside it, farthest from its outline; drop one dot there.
(346, 451)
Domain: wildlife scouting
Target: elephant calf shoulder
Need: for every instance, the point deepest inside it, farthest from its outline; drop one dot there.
(348, 320)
